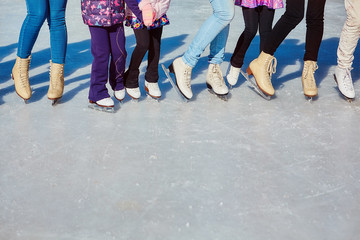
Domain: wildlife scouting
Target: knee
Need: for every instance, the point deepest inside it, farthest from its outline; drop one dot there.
(142, 46)
(100, 54)
(250, 32)
(225, 14)
(57, 18)
(38, 16)
(314, 22)
(294, 18)
(353, 21)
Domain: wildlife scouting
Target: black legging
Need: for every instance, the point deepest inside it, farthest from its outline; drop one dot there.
(253, 17)
(146, 40)
(291, 18)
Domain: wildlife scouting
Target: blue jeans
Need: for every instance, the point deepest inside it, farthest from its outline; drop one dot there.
(37, 12)
(214, 31)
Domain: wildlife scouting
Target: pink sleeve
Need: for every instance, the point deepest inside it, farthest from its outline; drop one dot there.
(143, 3)
(161, 7)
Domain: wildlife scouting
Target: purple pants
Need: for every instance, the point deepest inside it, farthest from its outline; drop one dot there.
(107, 42)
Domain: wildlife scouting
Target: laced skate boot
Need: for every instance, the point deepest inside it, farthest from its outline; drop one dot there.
(182, 76)
(134, 93)
(20, 74)
(105, 102)
(105, 105)
(344, 81)
(233, 75)
(119, 94)
(262, 68)
(56, 87)
(152, 89)
(308, 80)
(215, 80)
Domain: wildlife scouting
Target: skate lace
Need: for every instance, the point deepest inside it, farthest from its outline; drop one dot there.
(187, 76)
(347, 80)
(271, 63)
(218, 80)
(311, 68)
(58, 71)
(23, 72)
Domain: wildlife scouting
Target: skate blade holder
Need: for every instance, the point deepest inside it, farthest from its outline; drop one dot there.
(101, 109)
(173, 84)
(55, 102)
(254, 86)
(224, 97)
(156, 99)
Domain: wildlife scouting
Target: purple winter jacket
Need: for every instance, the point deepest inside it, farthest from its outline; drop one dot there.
(106, 13)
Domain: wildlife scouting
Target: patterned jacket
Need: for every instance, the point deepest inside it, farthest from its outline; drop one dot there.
(106, 13)
(273, 4)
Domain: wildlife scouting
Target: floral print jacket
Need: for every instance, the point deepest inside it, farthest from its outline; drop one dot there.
(273, 4)
(106, 13)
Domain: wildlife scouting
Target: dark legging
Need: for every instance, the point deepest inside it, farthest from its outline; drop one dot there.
(146, 40)
(291, 18)
(253, 17)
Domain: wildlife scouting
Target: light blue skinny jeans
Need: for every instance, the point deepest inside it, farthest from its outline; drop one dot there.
(214, 31)
(37, 12)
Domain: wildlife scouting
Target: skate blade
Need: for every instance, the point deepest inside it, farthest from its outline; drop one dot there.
(25, 100)
(157, 99)
(228, 84)
(102, 109)
(173, 84)
(255, 86)
(135, 100)
(55, 102)
(224, 97)
(120, 100)
(350, 100)
(309, 99)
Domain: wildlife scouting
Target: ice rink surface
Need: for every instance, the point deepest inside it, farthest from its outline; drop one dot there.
(285, 169)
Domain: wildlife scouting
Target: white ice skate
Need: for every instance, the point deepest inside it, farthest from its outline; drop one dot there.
(134, 93)
(105, 105)
(344, 81)
(182, 74)
(152, 89)
(233, 75)
(119, 95)
(215, 81)
(173, 84)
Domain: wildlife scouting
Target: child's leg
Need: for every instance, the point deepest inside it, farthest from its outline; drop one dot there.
(314, 28)
(266, 17)
(118, 57)
(349, 35)
(142, 45)
(251, 19)
(214, 27)
(293, 15)
(58, 33)
(37, 11)
(100, 49)
(152, 71)
(217, 46)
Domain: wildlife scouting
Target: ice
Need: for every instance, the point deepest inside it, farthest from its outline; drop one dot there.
(208, 169)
